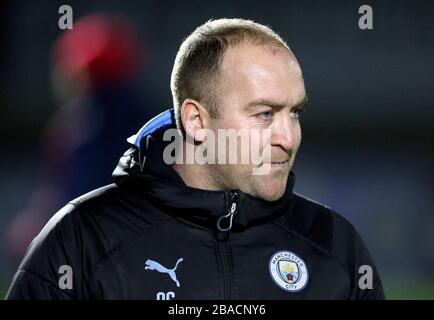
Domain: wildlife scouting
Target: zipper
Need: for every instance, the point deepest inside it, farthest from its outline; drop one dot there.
(229, 217)
(224, 226)
(224, 257)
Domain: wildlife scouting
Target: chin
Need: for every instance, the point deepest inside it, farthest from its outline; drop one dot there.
(272, 197)
(271, 193)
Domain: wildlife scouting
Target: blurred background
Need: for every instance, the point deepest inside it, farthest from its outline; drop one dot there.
(69, 100)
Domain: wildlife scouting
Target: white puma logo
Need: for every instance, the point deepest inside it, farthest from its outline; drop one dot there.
(153, 265)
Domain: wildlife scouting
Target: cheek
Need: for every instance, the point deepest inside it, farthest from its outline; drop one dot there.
(297, 135)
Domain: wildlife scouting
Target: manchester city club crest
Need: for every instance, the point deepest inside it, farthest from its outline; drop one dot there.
(288, 271)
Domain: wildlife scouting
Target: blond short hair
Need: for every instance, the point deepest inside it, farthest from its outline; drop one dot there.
(195, 73)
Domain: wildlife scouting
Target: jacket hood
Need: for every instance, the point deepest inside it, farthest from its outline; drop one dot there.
(143, 169)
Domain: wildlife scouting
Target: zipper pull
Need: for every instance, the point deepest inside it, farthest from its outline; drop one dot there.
(230, 215)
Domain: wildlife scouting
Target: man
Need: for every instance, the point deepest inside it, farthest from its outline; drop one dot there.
(213, 229)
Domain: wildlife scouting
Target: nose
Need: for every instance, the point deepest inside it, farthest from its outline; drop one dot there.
(285, 132)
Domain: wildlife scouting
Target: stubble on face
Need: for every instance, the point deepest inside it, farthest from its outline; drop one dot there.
(250, 72)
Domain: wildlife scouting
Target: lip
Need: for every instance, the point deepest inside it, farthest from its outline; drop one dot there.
(279, 164)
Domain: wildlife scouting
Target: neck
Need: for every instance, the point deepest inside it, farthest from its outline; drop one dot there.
(196, 175)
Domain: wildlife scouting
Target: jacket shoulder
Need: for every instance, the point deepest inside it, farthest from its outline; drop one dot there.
(79, 235)
(310, 221)
(87, 228)
(116, 214)
(335, 236)
(317, 223)
(58, 247)
(54, 243)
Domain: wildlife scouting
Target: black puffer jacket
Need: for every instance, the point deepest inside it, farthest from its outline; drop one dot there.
(149, 236)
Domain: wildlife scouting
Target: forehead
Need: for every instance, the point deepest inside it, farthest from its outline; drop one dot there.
(253, 72)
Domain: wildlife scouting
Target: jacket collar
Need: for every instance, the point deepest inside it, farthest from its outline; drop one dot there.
(142, 167)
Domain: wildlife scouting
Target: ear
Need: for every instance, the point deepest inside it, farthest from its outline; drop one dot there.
(195, 119)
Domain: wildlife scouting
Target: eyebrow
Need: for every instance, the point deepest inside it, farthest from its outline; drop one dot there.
(275, 105)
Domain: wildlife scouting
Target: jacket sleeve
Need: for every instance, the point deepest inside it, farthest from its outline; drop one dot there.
(51, 267)
(28, 286)
(364, 279)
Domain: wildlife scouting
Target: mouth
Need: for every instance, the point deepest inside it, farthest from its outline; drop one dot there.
(279, 164)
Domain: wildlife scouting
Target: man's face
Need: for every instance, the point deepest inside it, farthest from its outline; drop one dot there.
(262, 88)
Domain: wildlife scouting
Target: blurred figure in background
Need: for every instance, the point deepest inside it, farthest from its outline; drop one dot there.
(94, 68)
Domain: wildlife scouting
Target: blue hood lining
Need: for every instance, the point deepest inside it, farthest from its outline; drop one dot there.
(165, 118)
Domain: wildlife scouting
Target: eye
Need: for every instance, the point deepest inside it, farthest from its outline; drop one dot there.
(266, 115)
(296, 113)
